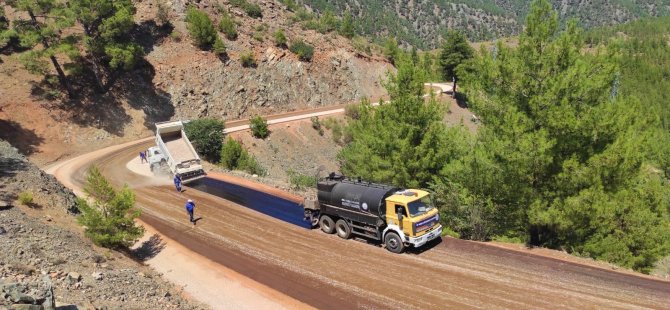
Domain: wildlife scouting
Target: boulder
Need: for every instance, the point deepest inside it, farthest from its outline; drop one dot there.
(20, 298)
(97, 275)
(49, 302)
(73, 277)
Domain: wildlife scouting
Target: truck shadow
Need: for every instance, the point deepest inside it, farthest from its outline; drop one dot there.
(426, 247)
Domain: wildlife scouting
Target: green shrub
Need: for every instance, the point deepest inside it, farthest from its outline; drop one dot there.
(228, 27)
(303, 15)
(248, 163)
(258, 36)
(311, 24)
(361, 45)
(248, 59)
(303, 50)
(300, 181)
(175, 35)
(280, 38)
(252, 9)
(234, 157)
(230, 153)
(353, 111)
(337, 132)
(259, 127)
(291, 5)
(347, 26)
(327, 22)
(329, 123)
(262, 27)
(110, 220)
(206, 134)
(219, 48)
(26, 198)
(446, 231)
(200, 27)
(316, 124)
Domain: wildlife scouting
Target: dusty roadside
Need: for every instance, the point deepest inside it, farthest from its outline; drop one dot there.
(46, 261)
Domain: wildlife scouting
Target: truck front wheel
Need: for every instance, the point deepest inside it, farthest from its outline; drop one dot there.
(394, 243)
(327, 224)
(343, 229)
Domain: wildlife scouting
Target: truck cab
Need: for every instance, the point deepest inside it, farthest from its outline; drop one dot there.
(156, 158)
(411, 220)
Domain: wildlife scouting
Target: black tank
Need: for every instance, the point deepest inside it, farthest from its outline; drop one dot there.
(354, 195)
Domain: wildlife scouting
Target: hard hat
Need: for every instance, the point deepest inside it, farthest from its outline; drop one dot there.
(189, 200)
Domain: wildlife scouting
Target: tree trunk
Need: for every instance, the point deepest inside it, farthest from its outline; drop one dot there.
(100, 85)
(61, 74)
(453, 90)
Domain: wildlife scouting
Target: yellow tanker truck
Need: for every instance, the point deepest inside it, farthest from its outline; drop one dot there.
(397, 217)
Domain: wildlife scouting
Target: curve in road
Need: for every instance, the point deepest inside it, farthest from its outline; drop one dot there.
(324, 271)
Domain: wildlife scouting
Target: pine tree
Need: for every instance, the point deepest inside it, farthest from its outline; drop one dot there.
(347, 26)
(559, 160)
(455, 51)
(200, 27)
(107, 25)
(219, 48)
(110, 220)
(45, 24)
(391, 50)
(401, 142)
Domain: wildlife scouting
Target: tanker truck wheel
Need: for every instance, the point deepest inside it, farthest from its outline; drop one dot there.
(343, 229)
(394, 243)
(327, 224)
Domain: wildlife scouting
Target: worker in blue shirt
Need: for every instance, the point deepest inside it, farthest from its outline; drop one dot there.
(190, 206)
(177, 182)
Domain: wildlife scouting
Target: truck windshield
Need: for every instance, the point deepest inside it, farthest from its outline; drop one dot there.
(420, 206)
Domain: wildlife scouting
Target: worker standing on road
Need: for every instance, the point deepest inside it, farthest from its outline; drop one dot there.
(190, 206)
(177, 182)
(143, 157)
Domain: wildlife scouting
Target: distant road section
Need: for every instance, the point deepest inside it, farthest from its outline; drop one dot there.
(318, 112)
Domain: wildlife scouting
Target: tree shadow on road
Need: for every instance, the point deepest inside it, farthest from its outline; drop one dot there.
(149, 249)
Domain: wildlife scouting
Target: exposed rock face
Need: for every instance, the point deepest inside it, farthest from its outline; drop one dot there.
(207, 87)
(20, 175)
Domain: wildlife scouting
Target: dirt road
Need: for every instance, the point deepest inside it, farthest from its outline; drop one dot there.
(326, 272)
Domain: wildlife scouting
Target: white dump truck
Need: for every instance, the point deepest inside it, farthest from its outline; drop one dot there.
(174, 151)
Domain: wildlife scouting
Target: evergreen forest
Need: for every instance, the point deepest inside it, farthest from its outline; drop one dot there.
(573, 147)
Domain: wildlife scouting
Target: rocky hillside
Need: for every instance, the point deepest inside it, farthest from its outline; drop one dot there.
(421, 22)
(45, 261)
(179, 80)
(199, 84)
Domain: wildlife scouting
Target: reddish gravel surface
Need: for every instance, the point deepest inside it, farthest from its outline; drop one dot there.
(326, 272)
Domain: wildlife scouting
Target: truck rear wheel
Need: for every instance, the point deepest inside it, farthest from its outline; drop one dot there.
(394, 243)
(343, 229)
(327, 224)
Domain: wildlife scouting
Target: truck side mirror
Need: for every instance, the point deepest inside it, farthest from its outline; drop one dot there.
(399, 211)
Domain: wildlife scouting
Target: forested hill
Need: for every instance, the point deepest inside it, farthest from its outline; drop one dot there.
(572, 149)
(421, 23)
